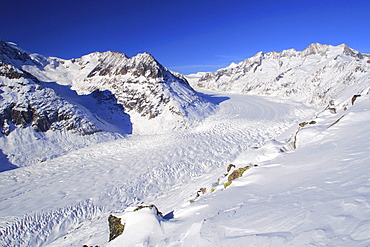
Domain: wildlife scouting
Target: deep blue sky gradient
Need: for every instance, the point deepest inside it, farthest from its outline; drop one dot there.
(185, 36)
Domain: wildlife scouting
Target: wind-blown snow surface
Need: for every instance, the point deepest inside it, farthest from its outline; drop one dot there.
(66, 201)
(315, 195)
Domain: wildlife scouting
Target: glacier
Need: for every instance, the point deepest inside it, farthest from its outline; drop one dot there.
(308, 177)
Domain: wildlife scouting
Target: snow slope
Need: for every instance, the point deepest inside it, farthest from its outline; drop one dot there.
(315, 75)
(316, 195)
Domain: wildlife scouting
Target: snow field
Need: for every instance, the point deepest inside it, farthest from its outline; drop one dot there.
(165, 170)
(316, 195)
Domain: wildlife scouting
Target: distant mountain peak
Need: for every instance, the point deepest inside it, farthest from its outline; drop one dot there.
(111, 53)
(115, 64)
(316, 48)
(142, 85)
(350, 52)
(315, 75)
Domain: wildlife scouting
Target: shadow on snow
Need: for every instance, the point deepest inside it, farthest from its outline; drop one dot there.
(102, 104)
(212, 98)
(5, 165)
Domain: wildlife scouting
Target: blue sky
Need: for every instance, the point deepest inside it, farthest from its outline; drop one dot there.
(185, 36)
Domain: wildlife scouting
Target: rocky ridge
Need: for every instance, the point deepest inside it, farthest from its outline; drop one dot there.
(315, 75)
(36, 123)
(46, 101)
(153, 96)
(25, 102)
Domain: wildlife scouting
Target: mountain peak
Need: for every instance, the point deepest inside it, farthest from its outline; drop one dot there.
(257, 57)
(147, 57)
(103, 93)
(316, 49)
(113, 53)
(10, 51)
(145, 54)
(116, 63)
(350, 52)
(259, 54)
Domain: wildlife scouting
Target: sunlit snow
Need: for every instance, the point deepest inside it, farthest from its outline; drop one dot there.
(306, 177)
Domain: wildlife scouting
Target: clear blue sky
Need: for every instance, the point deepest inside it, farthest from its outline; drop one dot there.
(185, 36)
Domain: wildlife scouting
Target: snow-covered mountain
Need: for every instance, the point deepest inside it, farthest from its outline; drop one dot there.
(33, 117)
(156, 99)
(315, 75)
(25, 102)
(50, 106)
(259, 171)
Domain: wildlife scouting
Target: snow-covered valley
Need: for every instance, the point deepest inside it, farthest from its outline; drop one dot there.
(166, 169)
(226, 169)
(316, 195)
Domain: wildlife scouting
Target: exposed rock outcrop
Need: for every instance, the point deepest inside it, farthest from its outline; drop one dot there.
(115, 227)
(135, 225)
(24, 102)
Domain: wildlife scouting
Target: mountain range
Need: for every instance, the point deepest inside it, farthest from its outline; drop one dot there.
(271, 151)
(100, 96)
(69, 104)
(316, 75)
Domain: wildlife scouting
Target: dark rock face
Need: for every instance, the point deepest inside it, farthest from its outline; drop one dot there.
(11, 72)
(140, 83)
(7, 52)
(25, 103)
(115, 227)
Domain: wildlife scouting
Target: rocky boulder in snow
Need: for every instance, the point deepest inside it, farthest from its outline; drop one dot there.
(135, 225)
(116, 228)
